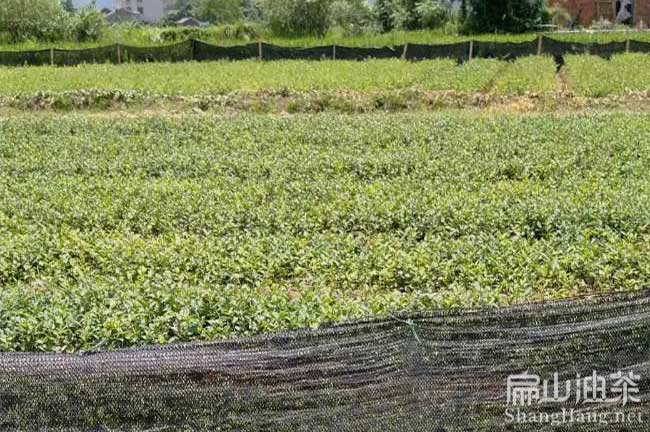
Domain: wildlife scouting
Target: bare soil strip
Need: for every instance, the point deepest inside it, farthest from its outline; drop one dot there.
(314, 102)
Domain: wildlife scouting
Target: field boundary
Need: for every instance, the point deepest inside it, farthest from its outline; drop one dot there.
(196, 50)
(311, 102)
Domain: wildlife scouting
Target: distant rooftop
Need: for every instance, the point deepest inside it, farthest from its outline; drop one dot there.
(122, 15)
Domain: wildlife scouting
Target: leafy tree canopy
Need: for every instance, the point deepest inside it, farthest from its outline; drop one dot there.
(34, 19)
(508, 16)
(217, 11)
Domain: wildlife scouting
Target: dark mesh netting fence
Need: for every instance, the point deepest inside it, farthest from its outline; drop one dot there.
(25, 58)
(504, 51)
(457, 370)
(106, 54)
(182, 51)
(273, 52)
(205, 52)
(639, 47)
(561, 48)
(347, 53)
(201, 51)
(458, 51)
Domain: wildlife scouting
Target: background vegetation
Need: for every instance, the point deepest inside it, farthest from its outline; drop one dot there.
(34, 22)
(48, 20)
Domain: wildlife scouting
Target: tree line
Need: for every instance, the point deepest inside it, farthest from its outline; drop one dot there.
(53, 20)
(316, 17)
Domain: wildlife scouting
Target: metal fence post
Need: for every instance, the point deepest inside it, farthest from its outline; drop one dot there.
(471, 49)
(259, 51)
(627, 45)
(333, 52)
(51, 56)
(539, 45)
(406, 47)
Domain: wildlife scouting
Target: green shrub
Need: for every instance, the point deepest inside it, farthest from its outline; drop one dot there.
(89, 25)
(297, 17)
(68, 5)
(557, 15)
(352, 16)
(412, 14)
(34, 19)
(238, 31)
(432, 13)
(383, 12)
(505, 16)
(218, 11)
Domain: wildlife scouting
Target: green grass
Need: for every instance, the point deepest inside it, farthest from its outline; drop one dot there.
(153, 36)
(534, 74)
(222, 77)
(625, 73)
(126, 231)
(527, 75)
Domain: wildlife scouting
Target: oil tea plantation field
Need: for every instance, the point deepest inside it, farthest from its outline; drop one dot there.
(533, 74)
(117, 230)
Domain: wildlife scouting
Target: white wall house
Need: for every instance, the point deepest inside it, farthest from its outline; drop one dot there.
(151, 10)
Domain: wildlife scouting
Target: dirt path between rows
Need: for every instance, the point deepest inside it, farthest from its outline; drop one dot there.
(284, 103)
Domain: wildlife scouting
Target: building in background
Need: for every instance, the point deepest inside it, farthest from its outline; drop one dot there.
(191, 22)
(585, 12)
(123, 16)
(150, 10)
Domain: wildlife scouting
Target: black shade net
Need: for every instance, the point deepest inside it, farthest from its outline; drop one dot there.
(25, 58)
(207, 52)
(200, 51)
(561, 48)
(458, 51)
(182, 51)
(273, 52)
(639, 47)
(434, 371)
(504, 51)
(106, 54)
(348, 53)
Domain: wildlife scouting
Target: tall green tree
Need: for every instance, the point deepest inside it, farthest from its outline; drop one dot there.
(383, 11)
(506, 16)
(353, 16)
(218, 11)
(34, 19)
(410, 14)
(68, 5)
(250, 10)
(409, 19)
(90, 23)
(432, 13)
(297, 17)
